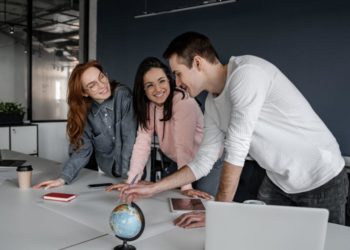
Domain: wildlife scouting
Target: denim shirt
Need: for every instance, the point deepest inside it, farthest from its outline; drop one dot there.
(110, 130)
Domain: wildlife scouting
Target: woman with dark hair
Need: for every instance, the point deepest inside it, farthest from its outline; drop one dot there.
(174, 117)
(100, 119)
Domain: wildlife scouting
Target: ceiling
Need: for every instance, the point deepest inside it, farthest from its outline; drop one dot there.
(55, 25)
(161, 7)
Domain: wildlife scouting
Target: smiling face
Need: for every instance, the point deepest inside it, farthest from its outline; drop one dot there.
(95, 84)
(156, 85)
(186, 78)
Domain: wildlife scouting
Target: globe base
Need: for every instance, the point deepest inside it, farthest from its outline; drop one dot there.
(125, 246)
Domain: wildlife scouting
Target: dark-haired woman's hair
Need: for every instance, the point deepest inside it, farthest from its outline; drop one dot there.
(79, 106)
(140, 100)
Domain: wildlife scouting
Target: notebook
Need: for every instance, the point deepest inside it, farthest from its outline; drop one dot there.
(252, 227)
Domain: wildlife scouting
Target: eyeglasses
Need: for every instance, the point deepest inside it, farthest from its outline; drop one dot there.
(94, 86)
(150, 86)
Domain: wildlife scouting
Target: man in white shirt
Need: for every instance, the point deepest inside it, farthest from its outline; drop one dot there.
(253, 108)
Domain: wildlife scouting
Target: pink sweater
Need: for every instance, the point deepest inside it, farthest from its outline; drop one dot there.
(183, 134)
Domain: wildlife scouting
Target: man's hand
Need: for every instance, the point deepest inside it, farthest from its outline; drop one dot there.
(123, 185)
(191, 220)
(130, 193)
(197, 194)
(49, 184)
(179, 178)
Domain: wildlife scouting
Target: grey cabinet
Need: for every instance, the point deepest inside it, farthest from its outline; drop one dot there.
(20, 138)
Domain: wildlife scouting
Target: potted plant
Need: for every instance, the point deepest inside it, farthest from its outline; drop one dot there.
(11, 113)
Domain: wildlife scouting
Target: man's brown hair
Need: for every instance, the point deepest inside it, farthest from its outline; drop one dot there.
(190, 44)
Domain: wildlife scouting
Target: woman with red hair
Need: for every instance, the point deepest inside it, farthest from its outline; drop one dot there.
(100, 119)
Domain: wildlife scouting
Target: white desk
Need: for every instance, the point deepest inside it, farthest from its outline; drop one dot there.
(28, 222)
(25, 225)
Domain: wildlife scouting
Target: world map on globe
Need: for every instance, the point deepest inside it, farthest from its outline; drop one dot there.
(127, 221)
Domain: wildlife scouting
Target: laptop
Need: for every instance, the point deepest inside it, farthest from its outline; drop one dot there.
(240, 226)
(11, 163)
(5, 163)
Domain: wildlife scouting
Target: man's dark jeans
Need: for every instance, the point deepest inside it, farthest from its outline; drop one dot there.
(332, 196)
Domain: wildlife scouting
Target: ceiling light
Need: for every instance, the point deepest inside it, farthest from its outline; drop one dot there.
(12, 29)
(204, 4)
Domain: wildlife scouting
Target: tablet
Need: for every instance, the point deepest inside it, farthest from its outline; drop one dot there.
(186, 204)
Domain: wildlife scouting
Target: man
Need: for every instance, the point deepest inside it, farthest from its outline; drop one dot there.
(253, 108)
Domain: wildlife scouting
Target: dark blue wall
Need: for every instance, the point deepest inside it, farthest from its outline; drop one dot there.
(308, 40)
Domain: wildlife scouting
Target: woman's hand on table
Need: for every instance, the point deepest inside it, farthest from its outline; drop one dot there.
(49, 184)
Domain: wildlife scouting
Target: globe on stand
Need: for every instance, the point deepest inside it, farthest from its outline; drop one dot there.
(127, 222)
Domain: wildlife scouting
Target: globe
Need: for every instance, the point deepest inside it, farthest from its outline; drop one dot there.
(127, 222)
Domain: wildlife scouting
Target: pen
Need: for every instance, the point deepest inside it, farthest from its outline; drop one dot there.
(133, 180)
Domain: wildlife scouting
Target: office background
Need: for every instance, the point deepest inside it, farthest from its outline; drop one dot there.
(308, 40)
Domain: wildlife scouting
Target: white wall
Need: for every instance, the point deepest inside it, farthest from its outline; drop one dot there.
(49, 87)
(53, 143)
(13, 71)
(7, 69)
(20, 70)
(92, 29)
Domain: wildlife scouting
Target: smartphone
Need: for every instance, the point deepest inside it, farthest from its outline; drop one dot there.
(99, 185)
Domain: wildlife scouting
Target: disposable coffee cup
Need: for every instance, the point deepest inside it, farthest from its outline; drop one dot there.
(24, 174)
(254, 202)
